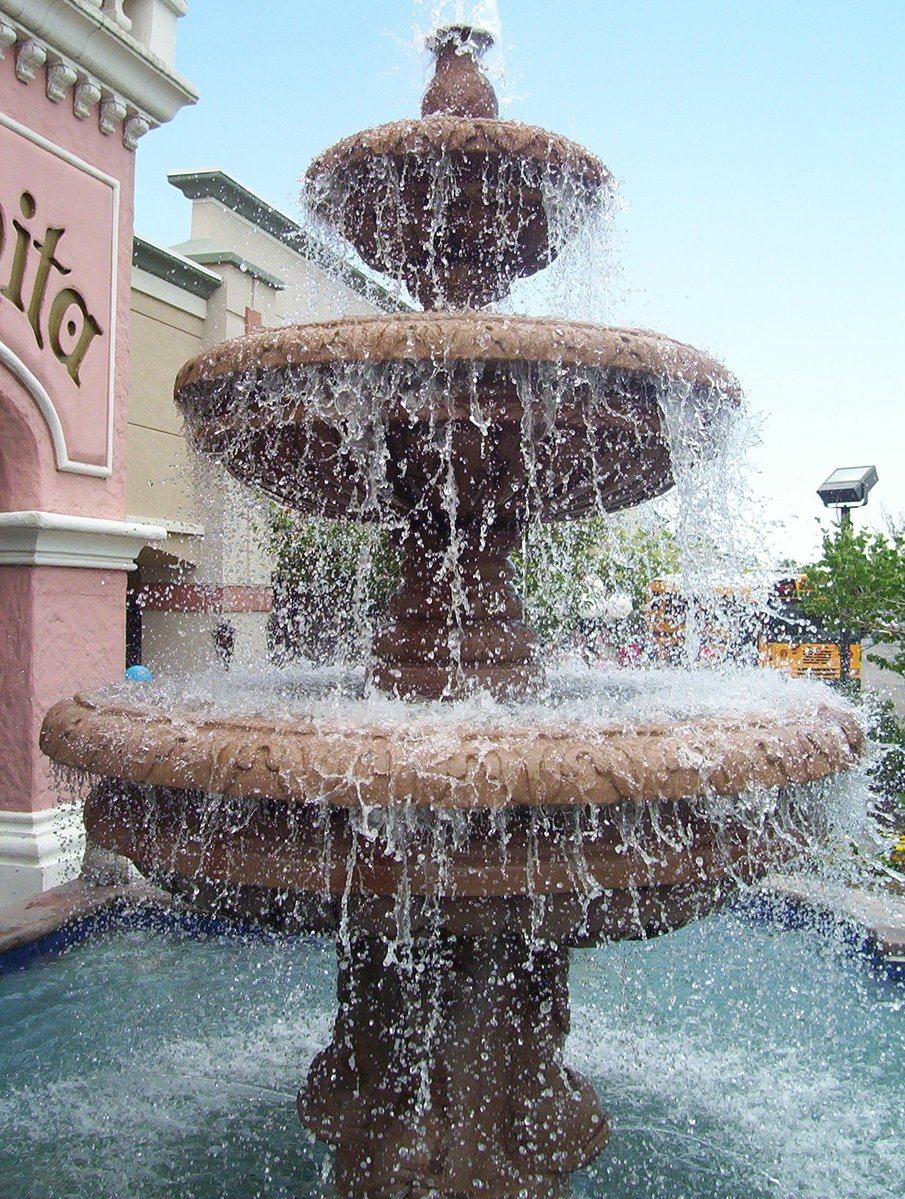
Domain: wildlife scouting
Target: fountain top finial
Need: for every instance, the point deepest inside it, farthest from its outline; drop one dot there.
(459, 88)
(470, 39)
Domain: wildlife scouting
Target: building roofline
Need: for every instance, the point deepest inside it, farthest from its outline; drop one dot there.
(206, 251)
(174, 268)
(213, 183)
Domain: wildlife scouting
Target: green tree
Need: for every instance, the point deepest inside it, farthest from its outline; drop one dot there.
(857, 587)
(331, 579)
(887, 732)
(560, 566)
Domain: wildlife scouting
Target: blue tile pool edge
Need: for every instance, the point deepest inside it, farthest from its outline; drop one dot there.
(122, 912)
(796, 914)
(125, 913)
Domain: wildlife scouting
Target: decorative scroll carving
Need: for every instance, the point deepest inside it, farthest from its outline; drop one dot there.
(29, 57)
(460, 337)
(85, 98)
(134, 128)
(60, 78)
(395, 764)
(111, 115)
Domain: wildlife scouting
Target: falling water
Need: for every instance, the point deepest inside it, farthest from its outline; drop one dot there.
(740, 1060)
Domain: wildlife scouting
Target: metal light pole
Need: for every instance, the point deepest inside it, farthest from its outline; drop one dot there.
(846, 488)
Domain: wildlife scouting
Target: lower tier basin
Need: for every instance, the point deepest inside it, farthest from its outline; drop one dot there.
(625, 809)
(457, 853)
(576, 826)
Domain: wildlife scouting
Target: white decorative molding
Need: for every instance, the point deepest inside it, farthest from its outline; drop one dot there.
(38, 393)
(7, 37)
(113, 10)
(154, 25)
(134, 128)
(112, 113)
(60, 78)
(86, 97)
(39, 850)
(83, 542)
(29, 57)
(135, 67)
(179, 528)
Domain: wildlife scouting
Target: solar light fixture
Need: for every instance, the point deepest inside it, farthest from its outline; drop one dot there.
(848, 486)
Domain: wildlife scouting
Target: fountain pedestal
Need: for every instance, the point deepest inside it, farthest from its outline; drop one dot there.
(457, 623)
(445, 1073)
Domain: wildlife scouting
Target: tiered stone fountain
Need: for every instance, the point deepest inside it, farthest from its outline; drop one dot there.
(457, 860)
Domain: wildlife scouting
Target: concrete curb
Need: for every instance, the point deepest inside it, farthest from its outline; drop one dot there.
(64, 908)
(877, 917)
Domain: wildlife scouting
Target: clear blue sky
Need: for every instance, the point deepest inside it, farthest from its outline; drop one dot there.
(760, 146)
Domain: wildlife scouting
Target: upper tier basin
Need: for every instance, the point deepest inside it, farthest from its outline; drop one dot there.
(369, 415)
(459, 204)
(455, 207)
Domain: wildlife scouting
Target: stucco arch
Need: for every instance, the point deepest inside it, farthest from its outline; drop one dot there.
(26, 447)
(37, 393)
(34, 473)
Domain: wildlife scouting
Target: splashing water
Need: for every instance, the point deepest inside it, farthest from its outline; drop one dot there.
(454, 849)
(738, 1060)
(479, 14)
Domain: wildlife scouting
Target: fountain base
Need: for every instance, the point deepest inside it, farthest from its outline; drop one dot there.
(445, 1073)
(455, 861)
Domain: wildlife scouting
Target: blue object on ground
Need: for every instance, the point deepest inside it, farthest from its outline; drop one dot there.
(139, 674)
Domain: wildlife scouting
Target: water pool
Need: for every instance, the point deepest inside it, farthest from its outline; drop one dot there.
(737, 1060)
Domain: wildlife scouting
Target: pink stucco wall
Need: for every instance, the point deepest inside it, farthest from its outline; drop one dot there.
(61, 629)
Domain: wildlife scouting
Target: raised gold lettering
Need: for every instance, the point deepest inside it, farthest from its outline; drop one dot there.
(13, 288)
(69, 298)
(45, 262)
(78, 327)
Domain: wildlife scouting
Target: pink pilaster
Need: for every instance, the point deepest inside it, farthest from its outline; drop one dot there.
(74, 97)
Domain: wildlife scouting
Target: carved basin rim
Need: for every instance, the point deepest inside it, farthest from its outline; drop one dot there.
(430, 137)
(313, 760)
(447, 338)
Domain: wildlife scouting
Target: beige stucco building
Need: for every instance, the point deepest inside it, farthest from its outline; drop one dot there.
(245, 265)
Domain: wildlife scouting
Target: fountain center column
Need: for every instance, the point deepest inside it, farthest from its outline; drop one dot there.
(446, 1068)
(457, 623)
